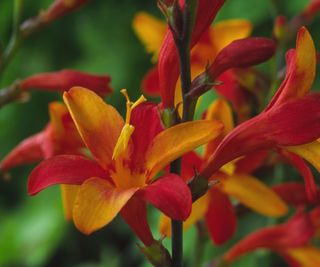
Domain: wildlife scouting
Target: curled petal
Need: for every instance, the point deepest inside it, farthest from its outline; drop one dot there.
(65, 79)
(301, 68)
(63, 170)
(294, 233)
(135, 215)
(98, 123)
(294, 123)
(220, 218)
(97, 203)
(173, 142)
(171, 195)
(254, 194)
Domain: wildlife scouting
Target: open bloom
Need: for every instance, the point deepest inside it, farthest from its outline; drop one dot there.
(234, 181)
(290, 122)
(127, 156)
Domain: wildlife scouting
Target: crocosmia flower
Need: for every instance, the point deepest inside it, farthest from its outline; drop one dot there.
(215, 206)
(290, 122)
(127, 156)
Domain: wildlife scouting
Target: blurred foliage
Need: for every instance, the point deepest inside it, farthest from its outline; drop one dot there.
(98, 39)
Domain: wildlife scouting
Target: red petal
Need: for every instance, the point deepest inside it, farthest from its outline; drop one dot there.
(312, 192)
(242, 53)
(168, 59)
(251, 162)
(146, 121)
(191, 163)
(220, 218)
(292, 193)
(150, 83)
(65, 79)
(135, 215)
(294, 123)
(171, 195)
(28, 151)
(63, 170)
(294, 233)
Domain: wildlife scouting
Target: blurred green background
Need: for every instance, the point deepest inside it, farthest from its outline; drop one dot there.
(98, 39)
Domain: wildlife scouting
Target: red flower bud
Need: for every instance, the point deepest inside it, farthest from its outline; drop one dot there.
(242, 53)
(60, 8)
(65, 79)
(312, 9)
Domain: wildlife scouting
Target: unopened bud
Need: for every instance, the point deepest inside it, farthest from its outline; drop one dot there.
(312, 9)
(242, 53)
(280, 29)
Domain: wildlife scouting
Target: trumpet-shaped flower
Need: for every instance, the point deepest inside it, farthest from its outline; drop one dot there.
(215, 207)
(127, 156)
(289, 122)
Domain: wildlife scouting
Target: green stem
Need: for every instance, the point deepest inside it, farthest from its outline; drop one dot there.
(200, 245)
(9, 94)
(16, 38)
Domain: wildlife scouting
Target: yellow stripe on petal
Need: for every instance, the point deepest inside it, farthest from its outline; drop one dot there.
(306, 256)
(310, 152)
(199, 209)
(98, 123)
(224, 32)
(254, 194)
(68, 194)
(97, 203)
(151, 31)
(173, 142)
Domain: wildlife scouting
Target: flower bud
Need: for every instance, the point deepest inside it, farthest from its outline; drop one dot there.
(65, 79)
(242, 53)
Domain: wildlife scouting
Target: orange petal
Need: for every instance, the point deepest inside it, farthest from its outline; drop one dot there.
(173, 142)
(68, 194)
(219, 110)
(224, 32)
(199, 209)
(254, 194)
(306, 256)
(98, 123)
(57, 110)
(301, 68)
(151, 32)
(310, 152)
(97, 203)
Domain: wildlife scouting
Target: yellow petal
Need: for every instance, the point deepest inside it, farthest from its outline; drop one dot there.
(173, 142)
(199, 209)
(98, 123)
(68, 194)
(224, 32)
(254, 194)
(219, 110)
(97, 203)
(310, 152)
(306, 256)
(305, 63)
(151, 31)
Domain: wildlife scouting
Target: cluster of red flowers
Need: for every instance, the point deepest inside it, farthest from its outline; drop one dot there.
(107, 164)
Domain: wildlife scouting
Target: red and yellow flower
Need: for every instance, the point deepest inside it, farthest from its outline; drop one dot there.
(127, 156)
